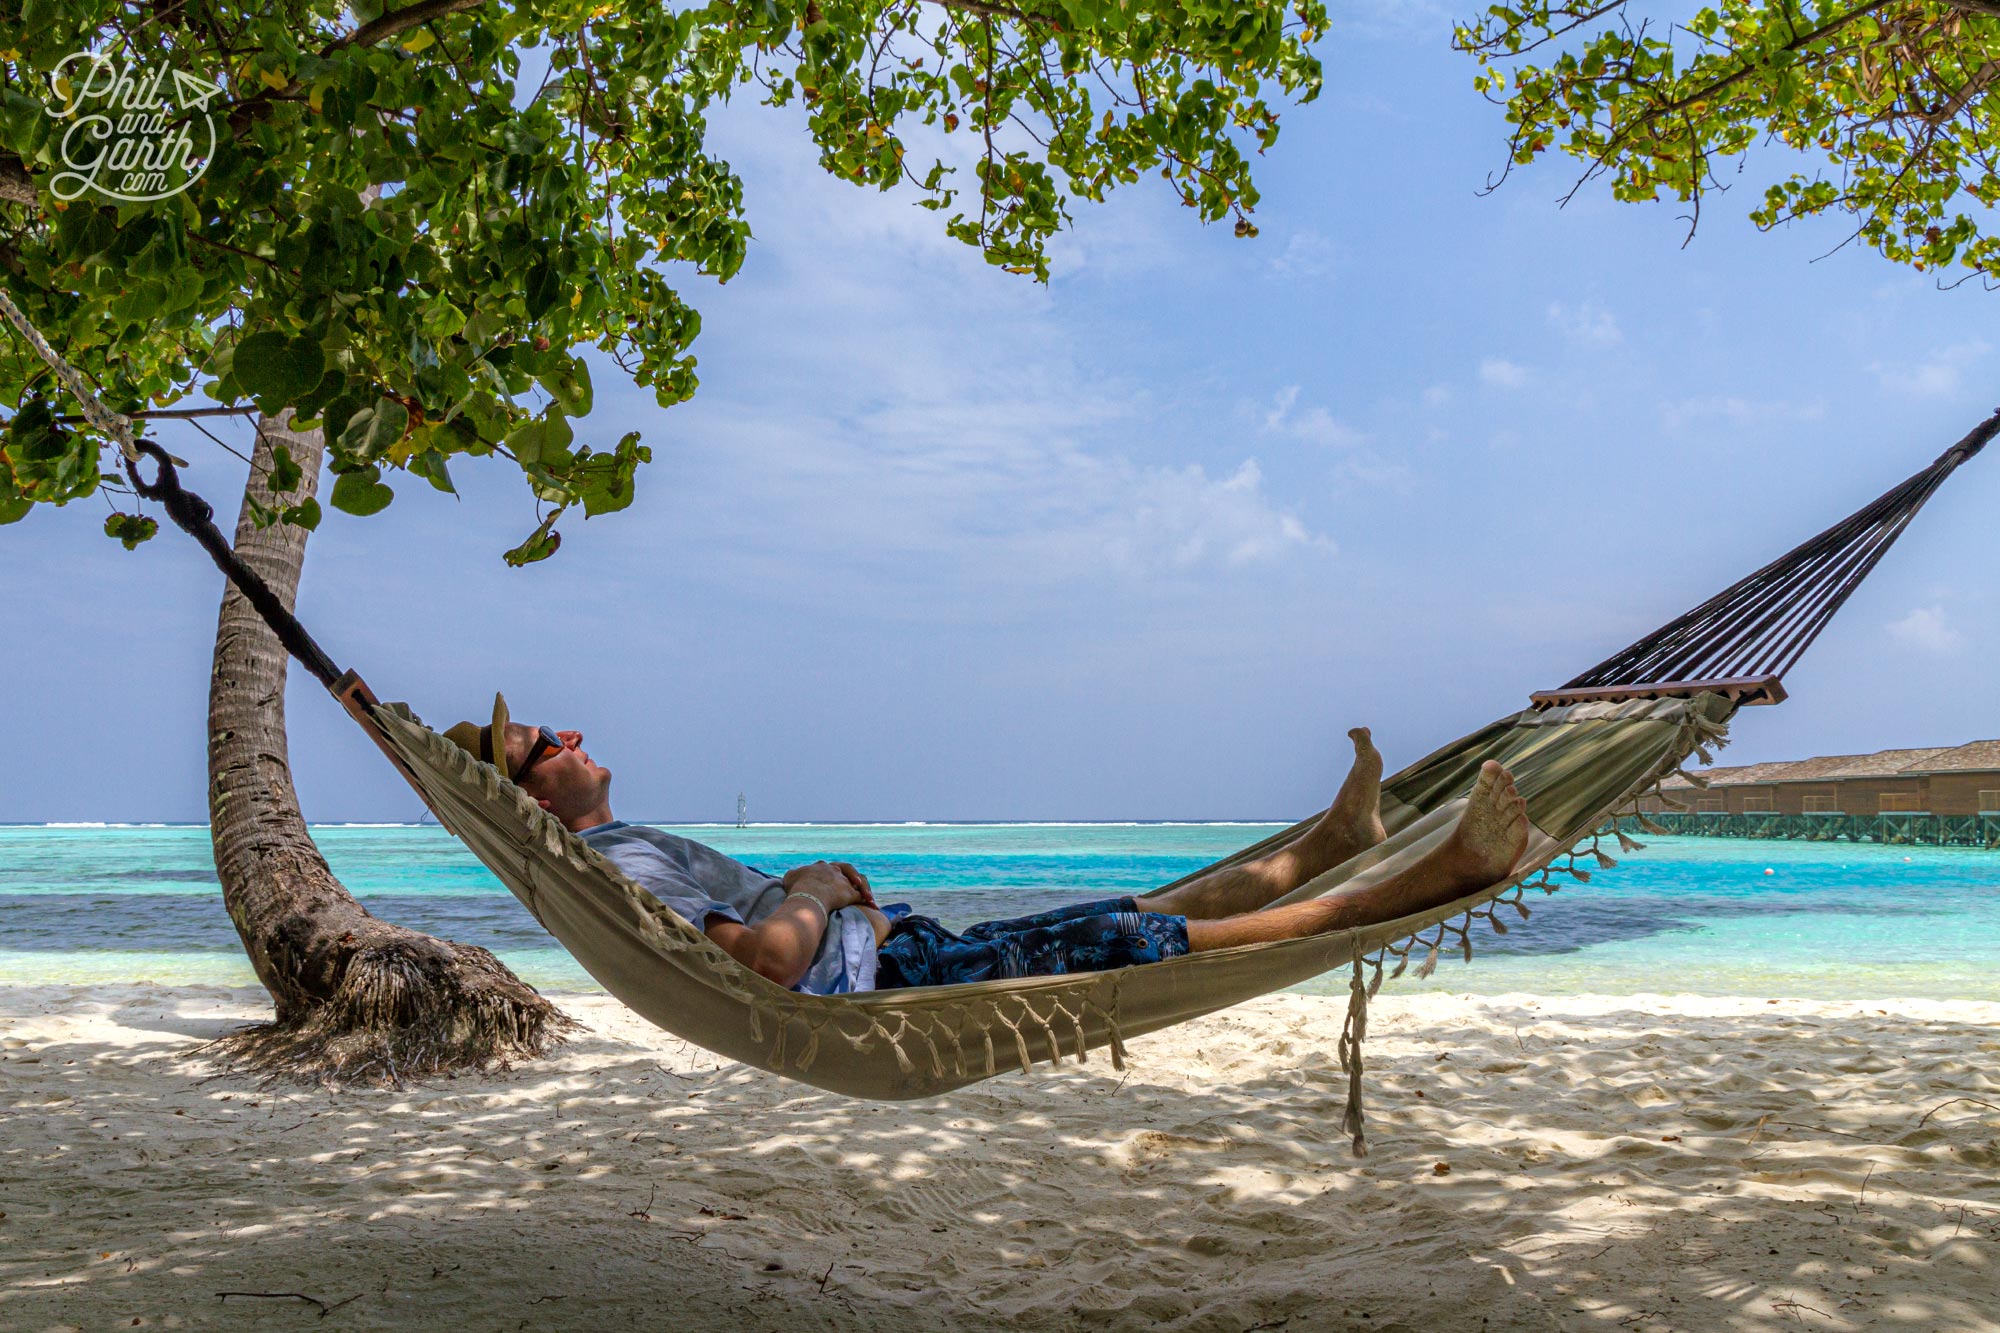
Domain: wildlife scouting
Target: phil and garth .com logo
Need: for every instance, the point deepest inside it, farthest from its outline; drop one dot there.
(137, 132)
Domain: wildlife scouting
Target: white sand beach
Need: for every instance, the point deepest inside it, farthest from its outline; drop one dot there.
(1646, 1163)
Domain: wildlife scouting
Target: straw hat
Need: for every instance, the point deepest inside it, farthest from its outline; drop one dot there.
(487, 744)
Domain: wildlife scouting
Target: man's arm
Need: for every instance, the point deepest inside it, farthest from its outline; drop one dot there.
(781, 946)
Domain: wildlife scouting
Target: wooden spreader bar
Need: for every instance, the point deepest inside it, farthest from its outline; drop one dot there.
(355, 696)
(1744, 690)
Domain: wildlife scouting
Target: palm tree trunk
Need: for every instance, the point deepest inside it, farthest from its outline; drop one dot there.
(357, 998)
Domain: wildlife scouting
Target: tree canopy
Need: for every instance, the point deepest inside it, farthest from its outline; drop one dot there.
(1886, 97)
(512, 227)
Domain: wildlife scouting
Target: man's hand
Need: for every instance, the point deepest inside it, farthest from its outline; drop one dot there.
(866, 894)
(782, 945)
(835, 883)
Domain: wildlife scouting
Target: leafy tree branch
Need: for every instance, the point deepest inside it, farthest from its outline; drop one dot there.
(1887, 100)
(517, 224)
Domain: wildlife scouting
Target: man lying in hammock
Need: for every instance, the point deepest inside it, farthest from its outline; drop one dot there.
(818, 928)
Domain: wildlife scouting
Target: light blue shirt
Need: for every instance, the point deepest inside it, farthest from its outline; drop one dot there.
(700, 883)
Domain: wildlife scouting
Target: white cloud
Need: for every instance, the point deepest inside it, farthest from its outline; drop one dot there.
(1501, 373)
(931, 459)
(1307, 254)
(1588, 323)
(1736, 411)
(1928, 629)
(1181, 519)
(1008, 489)
(1359, 465)
(1417, 20)
(1315, 425)
(1001, 495)
(1936, 376)
(1367, 468)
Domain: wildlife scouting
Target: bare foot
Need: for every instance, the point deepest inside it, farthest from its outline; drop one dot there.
(1355, 818)
(1480, 852)
(1491, 834)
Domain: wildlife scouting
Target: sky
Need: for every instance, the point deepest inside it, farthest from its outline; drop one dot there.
(935, 542)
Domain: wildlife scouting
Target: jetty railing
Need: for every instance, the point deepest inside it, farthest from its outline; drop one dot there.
(1901, 828)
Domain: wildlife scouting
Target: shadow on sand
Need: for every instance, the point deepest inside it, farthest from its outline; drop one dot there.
(1616, 1172)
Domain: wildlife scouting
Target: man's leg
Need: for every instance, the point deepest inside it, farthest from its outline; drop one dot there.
(1088, 937)
(1480, 851)
(1084, 937)
(1350, 826)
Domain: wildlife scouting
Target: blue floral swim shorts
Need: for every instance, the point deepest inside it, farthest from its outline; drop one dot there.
(1084, 937)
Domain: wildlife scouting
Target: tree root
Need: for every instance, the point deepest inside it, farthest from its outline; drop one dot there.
(405, 1006)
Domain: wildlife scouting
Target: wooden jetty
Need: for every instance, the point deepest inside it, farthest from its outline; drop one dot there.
(1938, 796)
(1895, 827)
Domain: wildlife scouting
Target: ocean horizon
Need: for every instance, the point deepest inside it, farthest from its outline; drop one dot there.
(87, 902)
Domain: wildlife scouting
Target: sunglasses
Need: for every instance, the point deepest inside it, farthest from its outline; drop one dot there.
(545, 741)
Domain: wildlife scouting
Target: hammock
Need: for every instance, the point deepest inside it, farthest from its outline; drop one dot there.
(1581, 755)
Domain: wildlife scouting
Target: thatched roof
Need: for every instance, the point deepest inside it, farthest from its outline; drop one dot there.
(1886, 763)
(1965, 758)
(1824, 767)
(1977, 756)
(1719, 777)
(1737, 775)
(1754, 773)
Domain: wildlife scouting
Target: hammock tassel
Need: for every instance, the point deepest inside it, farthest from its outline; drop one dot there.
(1430, 963)
(1351, 1034)
(1111, 1022)
(811, 1052)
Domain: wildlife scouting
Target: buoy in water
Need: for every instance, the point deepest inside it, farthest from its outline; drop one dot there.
(1769, 871)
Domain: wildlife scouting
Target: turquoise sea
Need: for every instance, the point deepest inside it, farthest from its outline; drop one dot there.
(124, 903)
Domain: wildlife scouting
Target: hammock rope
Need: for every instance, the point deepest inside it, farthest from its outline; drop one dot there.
(1761, 625)
(196, 517)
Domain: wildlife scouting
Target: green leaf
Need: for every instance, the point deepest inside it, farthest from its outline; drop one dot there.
(568, 382)
(14, 508)
(542, 290)
(285, 474)
(278, 371)
(541, 544)
(361, 493)
(131, 529)
(542, 440)
(372, 429)
(430, 465)
(604, 481)
(331, 386)
(304, 514)
(333, 418)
